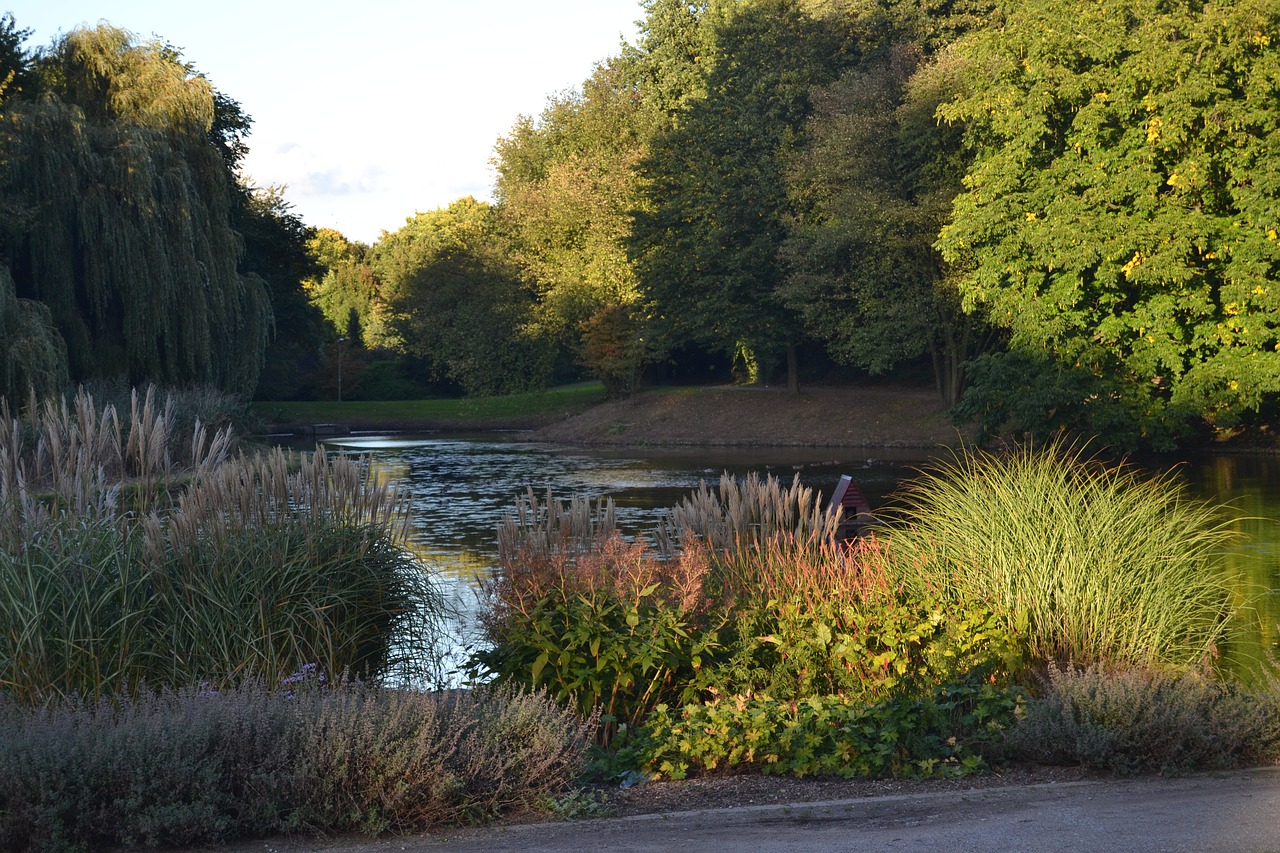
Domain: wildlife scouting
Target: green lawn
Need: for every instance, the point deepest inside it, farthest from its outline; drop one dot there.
(565, 400)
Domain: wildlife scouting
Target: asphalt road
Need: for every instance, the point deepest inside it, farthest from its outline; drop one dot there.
(1235, 812)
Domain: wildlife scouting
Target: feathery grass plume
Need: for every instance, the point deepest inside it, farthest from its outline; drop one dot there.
(741, 515)
(131, 556)
(1092, 562)
(540, 529)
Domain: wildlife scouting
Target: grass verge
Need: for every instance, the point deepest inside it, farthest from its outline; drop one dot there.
(465, 411)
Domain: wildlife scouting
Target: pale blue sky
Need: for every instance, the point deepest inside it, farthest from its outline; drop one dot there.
(370, 111)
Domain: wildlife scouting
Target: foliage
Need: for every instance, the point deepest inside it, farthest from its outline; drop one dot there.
(121, 565)
(448, 293)
(614, 629)
(707, 236)
(121, 222)
(948, 732)
(756, 600)
(347, 291)
(33, 356)
(1090, 562)
(275, 250)
(1056, 399)
(1121, 217)
(871, 188)
(197, 767)
(866, 649)
(1142, 720)
(566, 186)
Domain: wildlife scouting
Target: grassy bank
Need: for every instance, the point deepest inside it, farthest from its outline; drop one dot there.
(513, 411)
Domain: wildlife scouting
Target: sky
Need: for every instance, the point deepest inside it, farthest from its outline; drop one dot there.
(368, 112)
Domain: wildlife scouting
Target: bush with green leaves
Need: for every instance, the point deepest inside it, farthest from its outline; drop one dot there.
(1143, 720)
(615, 629)
(1091, 562)
(198, 766)
(756, 599)
(950, 731)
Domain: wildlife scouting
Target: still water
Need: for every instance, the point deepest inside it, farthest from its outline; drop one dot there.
(461, 487)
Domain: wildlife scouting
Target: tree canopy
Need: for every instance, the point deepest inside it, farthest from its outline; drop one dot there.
(124, 210)
(1121, 218)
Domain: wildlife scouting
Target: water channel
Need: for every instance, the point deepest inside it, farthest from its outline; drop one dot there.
(460, 487)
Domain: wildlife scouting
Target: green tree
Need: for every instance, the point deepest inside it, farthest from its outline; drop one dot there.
(347, 290)
(706, 238)
(566, 187)
(124, 226)
(1122, 216)
(449, 293)
(32, 354)
(276, 253)
(871, 188)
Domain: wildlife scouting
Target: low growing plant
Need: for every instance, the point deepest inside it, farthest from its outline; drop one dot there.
(618, 629)
(1144, 720)
(202, 767)
(949, 731)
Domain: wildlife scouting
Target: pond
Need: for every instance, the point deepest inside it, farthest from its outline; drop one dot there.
(460, 487)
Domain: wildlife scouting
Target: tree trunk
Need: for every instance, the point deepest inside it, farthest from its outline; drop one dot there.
(793, 368)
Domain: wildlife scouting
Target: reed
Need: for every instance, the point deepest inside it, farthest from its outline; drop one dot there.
(1093, 563)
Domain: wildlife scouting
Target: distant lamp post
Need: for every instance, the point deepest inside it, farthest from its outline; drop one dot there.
(341, 341)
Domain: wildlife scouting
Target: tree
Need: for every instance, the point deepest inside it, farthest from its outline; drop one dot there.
(871, 188)
(706, 239)
(347, 291)
(124, 230)
(566, 187)
(1122, 215)
(33, 357)
(275, 253)
(449, 293)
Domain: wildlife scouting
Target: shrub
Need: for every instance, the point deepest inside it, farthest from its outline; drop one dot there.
(199, 767)
(1142, 720)
(1092, 563)
(617, 628)
(947, 731)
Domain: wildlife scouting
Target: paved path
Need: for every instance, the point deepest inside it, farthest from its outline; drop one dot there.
(1229, 812)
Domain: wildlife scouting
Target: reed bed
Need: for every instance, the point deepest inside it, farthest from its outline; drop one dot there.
(131, 557)
(1092, 562)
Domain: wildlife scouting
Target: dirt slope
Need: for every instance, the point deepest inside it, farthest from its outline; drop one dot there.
(835, 417)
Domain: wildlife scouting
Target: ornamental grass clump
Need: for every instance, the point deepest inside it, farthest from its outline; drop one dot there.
(130, 557)
(1093, 563)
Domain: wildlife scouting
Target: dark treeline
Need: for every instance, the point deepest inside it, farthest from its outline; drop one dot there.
(1064, 211)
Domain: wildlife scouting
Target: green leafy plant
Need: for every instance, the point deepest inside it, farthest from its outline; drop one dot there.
(949, 731)
(616, 629)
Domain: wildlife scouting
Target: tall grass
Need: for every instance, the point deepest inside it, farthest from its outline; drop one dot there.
(131, 556)
(1092, 562)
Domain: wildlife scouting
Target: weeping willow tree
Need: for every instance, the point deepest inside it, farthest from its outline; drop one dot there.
(125, 230)
(32, 355)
